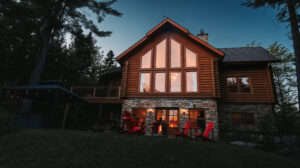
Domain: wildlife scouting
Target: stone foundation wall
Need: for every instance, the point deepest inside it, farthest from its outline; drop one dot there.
(209, 105)
(263, 119)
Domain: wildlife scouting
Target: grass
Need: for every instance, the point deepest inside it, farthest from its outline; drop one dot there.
(72, 149)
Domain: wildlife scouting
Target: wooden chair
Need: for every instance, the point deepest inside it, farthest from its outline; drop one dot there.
(204, 136)
(185, 130)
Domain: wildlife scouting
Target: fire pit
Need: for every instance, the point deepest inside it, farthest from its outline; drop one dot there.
(159, 127)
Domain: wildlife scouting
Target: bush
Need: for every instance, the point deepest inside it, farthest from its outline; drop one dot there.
(6, 123)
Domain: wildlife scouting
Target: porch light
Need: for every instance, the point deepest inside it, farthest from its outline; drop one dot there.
(150, 110)
(183, 111)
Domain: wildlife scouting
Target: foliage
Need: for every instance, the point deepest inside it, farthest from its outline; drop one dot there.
(286, 87)
(288, 11)
(45, 23)
(64, 148)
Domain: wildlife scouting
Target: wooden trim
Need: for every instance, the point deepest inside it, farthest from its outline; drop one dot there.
(184, 30)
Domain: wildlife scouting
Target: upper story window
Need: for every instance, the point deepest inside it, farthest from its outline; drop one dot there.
(175, 54)
(160, 59)
(232, 84)
(190, 58)
(160, 82)
(191, 81)
(238, 85)
(145, 82)
(244, 85)
(146, 60)
(175, 81)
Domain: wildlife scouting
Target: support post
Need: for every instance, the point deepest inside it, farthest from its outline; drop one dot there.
(65, 116)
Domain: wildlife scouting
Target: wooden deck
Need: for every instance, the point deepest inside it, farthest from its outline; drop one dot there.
(99, 94)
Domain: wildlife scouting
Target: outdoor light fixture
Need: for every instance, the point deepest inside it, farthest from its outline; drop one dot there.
(150, 110)
(183, 111)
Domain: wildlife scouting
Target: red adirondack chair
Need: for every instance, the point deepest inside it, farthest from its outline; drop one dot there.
(185, 130)
(208, 129)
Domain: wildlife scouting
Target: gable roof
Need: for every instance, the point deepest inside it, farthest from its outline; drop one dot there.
(247, 54)
(184, 30)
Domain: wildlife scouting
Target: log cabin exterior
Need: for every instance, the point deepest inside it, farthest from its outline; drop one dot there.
(172, 75)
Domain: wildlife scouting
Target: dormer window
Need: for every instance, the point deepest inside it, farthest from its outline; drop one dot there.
(160, 59)
(146, 60)
(175, 54)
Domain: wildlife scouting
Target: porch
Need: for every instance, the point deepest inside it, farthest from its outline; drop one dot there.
(104, 105)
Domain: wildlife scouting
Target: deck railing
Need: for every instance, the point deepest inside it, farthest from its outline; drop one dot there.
(97, 91)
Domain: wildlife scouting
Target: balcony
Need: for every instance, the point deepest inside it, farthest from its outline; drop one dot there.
(98, 94)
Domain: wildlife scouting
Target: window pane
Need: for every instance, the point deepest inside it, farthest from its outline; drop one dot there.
(145, 82)
(161, 55)
(190, 58)
(175, 54)
(232, 85)
(191, 81)
(146, 60)
(175, 80)
(173, 118)
(244, 85)
(160, 83)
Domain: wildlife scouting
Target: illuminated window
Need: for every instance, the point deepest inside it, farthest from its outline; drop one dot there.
(161, 54)
(161, 114)
(197, 118)
(145, 82)
(242, 118)
(190, 58)
(146, 60)
(232, 85)
(175, 82)
(173, 118)
(175, 54)
(191, 81)
(244, 85)
(160, 82)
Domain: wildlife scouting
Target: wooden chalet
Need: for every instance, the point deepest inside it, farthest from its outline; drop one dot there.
(173, 75)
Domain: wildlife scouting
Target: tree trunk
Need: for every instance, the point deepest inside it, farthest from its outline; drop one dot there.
(39, 64)
(296, 43)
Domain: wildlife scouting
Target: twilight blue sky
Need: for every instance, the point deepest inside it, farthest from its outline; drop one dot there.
(228, 23)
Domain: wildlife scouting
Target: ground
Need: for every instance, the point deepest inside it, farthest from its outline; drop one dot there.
(65, 148)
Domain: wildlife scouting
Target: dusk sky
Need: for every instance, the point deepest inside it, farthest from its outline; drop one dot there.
(228, 23)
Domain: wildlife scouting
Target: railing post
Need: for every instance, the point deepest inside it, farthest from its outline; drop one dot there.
(119, 92)
(94, 92)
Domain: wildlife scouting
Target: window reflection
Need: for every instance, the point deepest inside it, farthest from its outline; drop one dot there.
(191, 81)
(146, 60)
(175, 80)
(190, 58)
(160, 84)
(161, 55)
(232, 85)
(244, 85)
(175, 54)
(145, 82)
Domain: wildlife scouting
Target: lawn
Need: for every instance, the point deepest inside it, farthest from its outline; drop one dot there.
(72, 149)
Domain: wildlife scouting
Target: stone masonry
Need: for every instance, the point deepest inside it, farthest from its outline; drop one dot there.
(209, 105)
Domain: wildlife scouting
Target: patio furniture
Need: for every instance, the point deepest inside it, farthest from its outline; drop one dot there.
(204, 136)
(185, 130)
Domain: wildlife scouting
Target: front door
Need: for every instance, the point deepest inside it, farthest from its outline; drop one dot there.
(170, 117)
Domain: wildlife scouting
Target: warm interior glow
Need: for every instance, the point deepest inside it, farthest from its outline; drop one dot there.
(190, 58)
(191, 81)
(146, 60)
(161, 54)
(175, 81)
(175, 54)
(160, 79)
(145, 82)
